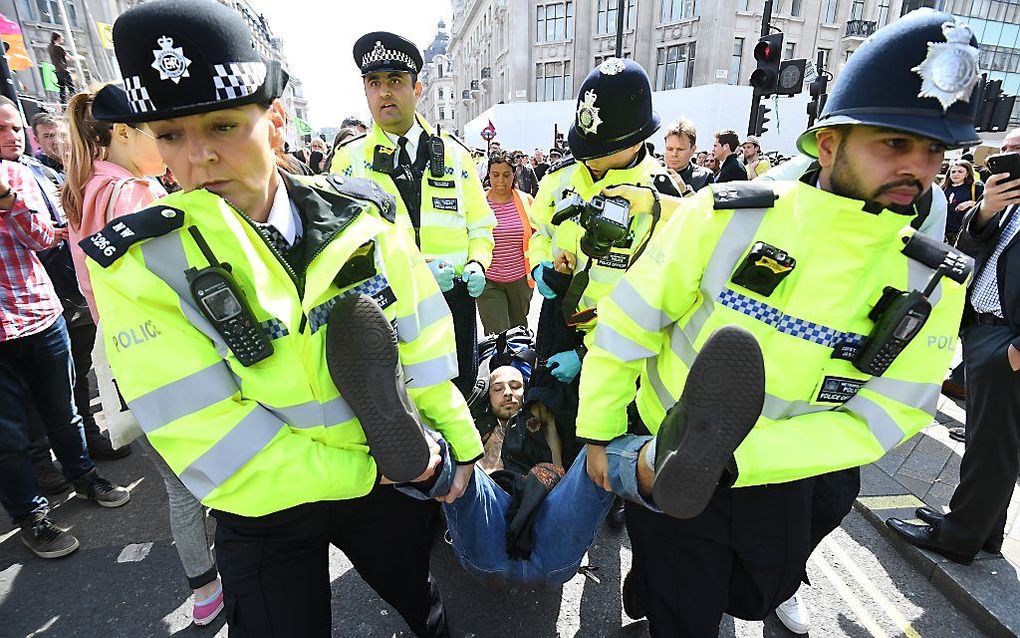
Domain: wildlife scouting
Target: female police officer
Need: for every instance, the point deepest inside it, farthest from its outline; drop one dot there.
(237, 309)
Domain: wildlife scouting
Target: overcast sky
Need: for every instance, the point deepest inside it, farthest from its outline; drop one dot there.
(318, 37)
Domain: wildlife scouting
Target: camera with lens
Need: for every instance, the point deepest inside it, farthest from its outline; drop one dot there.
(605, 220)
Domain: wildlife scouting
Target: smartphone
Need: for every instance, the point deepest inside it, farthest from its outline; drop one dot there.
(1004, 163)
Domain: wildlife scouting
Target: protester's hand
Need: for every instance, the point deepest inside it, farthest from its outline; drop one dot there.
(434, 460)
(60, 233)
(965, 206)
(474, 278)
(460, 483)
(565, 365)
(1000, 192)
(540, 417)
(1014, 357)
(443, 271)
(565, 263)
(598, 466)
(543, 288)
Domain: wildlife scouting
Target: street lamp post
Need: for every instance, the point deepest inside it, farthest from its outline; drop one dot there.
(70, 41)
(620, 6)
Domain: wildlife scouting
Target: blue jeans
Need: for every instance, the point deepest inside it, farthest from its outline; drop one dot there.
(563, 529)
(44, 361)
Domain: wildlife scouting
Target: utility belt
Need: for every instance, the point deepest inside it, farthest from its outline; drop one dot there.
(989, 319)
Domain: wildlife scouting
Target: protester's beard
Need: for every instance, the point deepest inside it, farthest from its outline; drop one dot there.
(505, 412)
(846, 183)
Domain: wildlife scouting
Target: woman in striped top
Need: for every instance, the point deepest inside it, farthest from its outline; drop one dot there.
(507, 296)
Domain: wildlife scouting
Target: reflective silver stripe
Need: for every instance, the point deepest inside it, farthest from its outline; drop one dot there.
(666, 399)
(480, 232)
(682, 346)
(184, 396)
(164, 257)
(314, 414)
(923, 396)
(620, 346)
(736, 238)
(431, 372)
(918, 276)
(640, 311)
(776, 408)
(428, 312)
(249, 437)
(604, 274)
(882, 426)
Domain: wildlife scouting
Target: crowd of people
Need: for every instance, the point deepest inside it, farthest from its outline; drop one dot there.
(704, 358)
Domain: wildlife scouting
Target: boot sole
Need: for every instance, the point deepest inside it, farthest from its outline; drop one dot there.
(57, 553)
(723, 398)
(362, 363)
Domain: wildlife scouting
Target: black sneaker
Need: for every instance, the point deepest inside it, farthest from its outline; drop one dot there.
(363, 360)
(721, 401)
(45, 539)
(51, 481)
(100, 448)
(95, 488)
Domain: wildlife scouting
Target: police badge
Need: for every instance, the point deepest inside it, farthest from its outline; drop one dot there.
(950, 70)
(588, 119)
(170, 62)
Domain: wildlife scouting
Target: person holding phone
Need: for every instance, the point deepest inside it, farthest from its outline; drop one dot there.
(991, 345)
(962, 193)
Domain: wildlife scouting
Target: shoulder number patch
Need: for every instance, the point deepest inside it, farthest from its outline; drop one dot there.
(111, 243)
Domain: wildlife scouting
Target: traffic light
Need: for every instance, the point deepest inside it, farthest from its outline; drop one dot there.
(768, 53)
(791, 77)
(817, 90)
(761, 119)
(994, 108)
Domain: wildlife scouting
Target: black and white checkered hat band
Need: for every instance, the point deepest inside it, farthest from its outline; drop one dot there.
(138, 95)
(238, 79)
(382, 54)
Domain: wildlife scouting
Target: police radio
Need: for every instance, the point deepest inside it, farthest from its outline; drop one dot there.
(221, 301)
(437, 155)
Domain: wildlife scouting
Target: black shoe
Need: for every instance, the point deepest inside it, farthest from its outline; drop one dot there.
(927, 536)
(954, 390)
(933, 517)
(95, 488)
(958, 433)
(45, 539)
(721, 401)
(363, 360)
(51, 481)
(633, 596)
(615, 518)
(100, 448)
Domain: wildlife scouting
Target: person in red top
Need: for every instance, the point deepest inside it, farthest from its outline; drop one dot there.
(507, 296)
(34, 347)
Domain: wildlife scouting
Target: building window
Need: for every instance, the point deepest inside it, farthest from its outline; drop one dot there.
(744, 5)
(883, 12)
(673, 10)
(599, 59)
(49, 11)
(674, 68)
(555, 22)
(791, 50)
(857, 10)
(736, 59)
(606, 17)
(830, 8)
(797, 8)
(442, 113)
(826, 54)
(440, 93)
(553, 81)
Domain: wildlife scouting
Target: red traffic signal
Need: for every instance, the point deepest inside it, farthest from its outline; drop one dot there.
(768, 53)
(765, 52)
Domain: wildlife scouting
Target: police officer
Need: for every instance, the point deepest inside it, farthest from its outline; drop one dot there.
(250, 334)
(847, 302)
(431, 174)
(613, 119)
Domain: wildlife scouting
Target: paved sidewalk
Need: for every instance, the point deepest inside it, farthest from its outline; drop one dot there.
(926, 470)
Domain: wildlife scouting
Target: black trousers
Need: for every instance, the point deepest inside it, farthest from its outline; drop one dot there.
(991, 461)
(743, 556)
(275, 568)
(465, 330)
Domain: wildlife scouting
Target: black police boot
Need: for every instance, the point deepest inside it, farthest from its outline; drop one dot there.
(363, 360)
(932, 517)
(634, 595)
(721, 401)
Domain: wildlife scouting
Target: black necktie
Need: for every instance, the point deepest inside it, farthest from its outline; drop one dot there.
(403, 159)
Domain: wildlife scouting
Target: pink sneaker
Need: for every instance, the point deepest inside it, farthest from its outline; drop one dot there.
(206, 611)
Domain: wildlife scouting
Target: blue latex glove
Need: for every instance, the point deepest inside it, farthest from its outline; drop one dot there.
(474, 277)
(443, 272)
(543, 288)
(565, 365)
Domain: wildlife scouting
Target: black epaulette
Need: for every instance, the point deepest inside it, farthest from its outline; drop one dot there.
(349, 140)
(666, 186)
(365, 190)
(732, 195)
(563, 163)
(113, 242)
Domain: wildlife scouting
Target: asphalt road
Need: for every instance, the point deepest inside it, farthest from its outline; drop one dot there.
(860, 585)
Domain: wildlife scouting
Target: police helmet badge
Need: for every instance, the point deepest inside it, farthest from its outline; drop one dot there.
(170, 62)
(612, 66)
(588, 119)
(950, 70)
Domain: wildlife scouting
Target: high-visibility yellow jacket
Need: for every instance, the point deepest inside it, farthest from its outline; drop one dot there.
(259, 439)
(456, 221)
(550, 241)
(821, 414)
